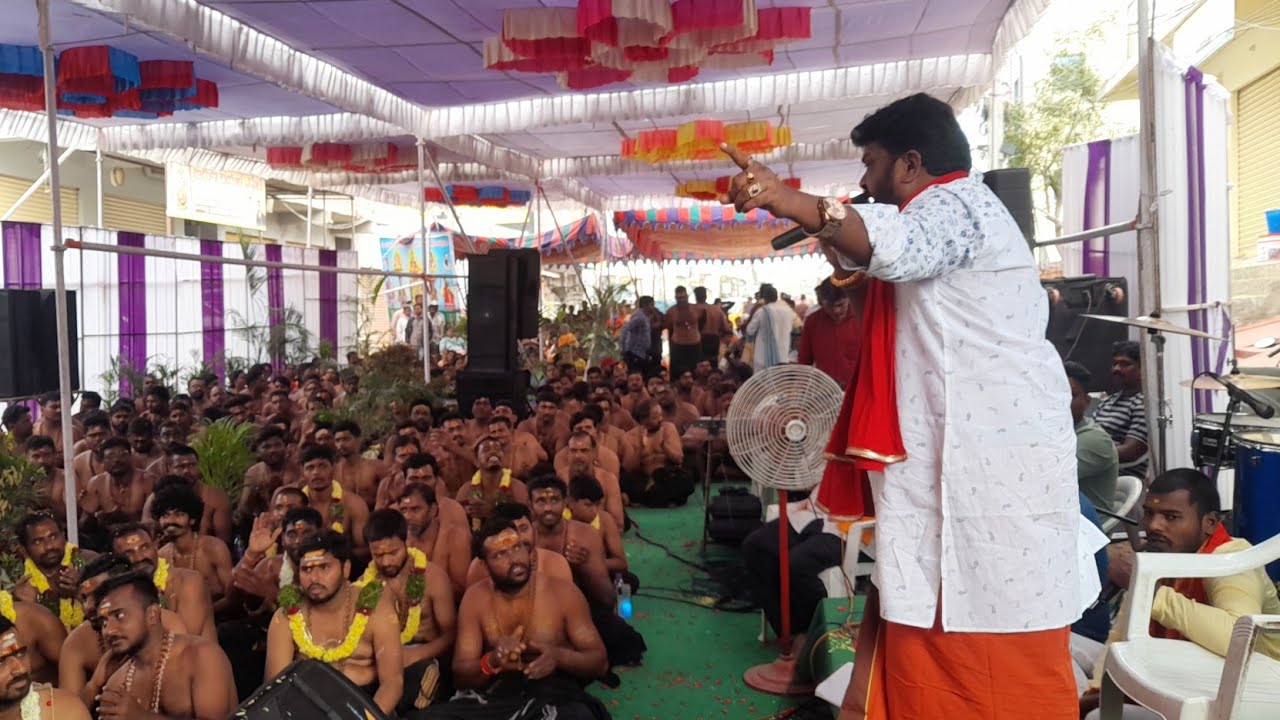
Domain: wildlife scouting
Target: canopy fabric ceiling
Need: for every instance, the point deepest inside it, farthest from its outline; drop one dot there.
(706, 232)
(580, 241)
(296, 71)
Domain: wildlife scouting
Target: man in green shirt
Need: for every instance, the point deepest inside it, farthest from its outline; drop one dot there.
(1097, 462)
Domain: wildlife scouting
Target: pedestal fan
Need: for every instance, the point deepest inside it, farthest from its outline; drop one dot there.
(778, 426)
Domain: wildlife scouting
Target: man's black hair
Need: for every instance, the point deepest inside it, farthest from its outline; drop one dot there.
(159, 391)
(113, 442)
(139, 581)
(511, 512)
(548, 482)
(1201, 491)
(268, 432)
(141, 426)
(316, 452)
(329, 541)
(420, 460)
(449, 416)
(347, 426)
(23, 530)
(385, 524)
(91, 396)
(1129, 349)
(127, 529)
(922, 123)
(105, 564)
(182, 450)
(96, 418)
(422, 490)
(585, 487)
(35, 442)
(13, 414)
(48, 397)
(177, 495)
(548, 396)
(1078, 372)
(308, 515)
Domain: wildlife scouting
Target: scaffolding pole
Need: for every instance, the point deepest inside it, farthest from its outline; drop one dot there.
(60, 275)
(35, 185)
(97, 159)
(426, 257)
(1149, 242)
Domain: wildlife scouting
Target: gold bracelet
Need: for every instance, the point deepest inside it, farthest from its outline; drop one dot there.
(845, 282)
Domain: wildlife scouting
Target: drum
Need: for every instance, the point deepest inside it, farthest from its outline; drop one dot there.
(1257, 512)
(1206, 433)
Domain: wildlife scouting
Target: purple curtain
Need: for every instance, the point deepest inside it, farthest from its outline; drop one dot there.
(329, 300)
(1193, 89)
(1096, 256)
(214, 322)
(275, 296)
(22, 256)
(132, 282)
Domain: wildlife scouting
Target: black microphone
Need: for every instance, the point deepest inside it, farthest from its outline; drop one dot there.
(1260, 408)
(797, 233)
(1273, 353)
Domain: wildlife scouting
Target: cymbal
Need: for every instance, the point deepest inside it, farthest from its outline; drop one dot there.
(1153, 323)
(1244, 381)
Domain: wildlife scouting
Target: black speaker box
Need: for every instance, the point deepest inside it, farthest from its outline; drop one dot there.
(1081, 339)
(1013, 187)
(528, 292)
(497, 385)
(29, 342)
(502, 306)
(732, 516)
(305, 690)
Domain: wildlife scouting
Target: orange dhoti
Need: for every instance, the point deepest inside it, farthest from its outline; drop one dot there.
(909, 673)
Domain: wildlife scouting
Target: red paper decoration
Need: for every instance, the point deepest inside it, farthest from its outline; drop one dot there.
(488, 196)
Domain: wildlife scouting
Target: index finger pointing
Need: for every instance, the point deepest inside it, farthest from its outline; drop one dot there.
(738, 157)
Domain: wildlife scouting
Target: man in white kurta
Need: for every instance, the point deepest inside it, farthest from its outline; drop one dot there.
(977, 565)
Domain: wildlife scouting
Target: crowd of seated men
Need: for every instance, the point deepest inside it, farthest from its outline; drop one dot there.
(459, 566)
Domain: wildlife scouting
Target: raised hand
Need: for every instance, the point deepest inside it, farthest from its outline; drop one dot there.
(263, 535)
(755, 187)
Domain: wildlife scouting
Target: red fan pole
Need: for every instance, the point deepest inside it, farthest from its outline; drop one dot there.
(779, 676)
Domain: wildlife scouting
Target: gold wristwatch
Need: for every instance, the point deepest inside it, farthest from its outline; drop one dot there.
(831, 212)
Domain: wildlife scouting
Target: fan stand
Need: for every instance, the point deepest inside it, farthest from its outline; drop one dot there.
(779, 676)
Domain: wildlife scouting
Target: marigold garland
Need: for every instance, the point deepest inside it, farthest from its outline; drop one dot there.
(7, 610)
(415, 587)
(335, 507)
(370, 574)
(365, 603)
(503, 484)
(161, 576)
(595, 521)
(69, 611)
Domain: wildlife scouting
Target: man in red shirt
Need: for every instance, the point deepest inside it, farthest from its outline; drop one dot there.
(830, 337)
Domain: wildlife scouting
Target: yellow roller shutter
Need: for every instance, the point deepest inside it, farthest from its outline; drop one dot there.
(37, 208)
(1258, 153)
(133, 216)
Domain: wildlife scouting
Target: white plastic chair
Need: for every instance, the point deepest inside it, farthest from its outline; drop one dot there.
(1128, 493)
(1179, 679)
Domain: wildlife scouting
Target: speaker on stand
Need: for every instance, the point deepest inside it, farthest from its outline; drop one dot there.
(503, 289)
(1013, 187)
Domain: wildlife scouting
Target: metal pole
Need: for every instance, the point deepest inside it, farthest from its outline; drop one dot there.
(435, 173)
(1148, 239)
(1104, 231)
(426, 257)
(310, 194)
(149, 252)
(60, 275)
(97, 159)
(34, 186)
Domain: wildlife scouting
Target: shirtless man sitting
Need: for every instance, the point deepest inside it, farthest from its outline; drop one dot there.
(422, 597)
(354, 472)
(589, 420)
(19, 696)
(524, 638)
(272, 470)
(268, 561)
(177, 510)
(322, 607)
(40, 632)
(117, 495)
(520, 450)
(576, 541)
(493, 483)
(50, 577)
(581, 458)
(83, 649)
(164, 674)
(521, 518)
(446, 544)
(422, 468)
(453, 451)
(652, 456)
(481, 412)
(51, 489)
(184, 465)
(343, 511)
(88, 460)
(548, 425)
(183, 589)
(586, 504)
(142, 441)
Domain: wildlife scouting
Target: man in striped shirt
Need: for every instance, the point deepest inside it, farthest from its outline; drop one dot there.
(1123, 414)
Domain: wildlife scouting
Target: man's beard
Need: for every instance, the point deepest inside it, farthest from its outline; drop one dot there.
(321, 599)
(422, 425)
(579, 468)
(17, 689)
(174, 531)
(509, 585)
(51, 560)
(146, 565)
(395, 572)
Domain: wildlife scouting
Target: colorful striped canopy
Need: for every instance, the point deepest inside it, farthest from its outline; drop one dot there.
(580, 240)
(706, 233)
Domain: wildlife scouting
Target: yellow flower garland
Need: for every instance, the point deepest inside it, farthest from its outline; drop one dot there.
(6, 607)
(370, 574)
(595, 522)
(365, 604)
(161, 576)
(414, 619)
(337, 504)
(69, 611)
(503, 484)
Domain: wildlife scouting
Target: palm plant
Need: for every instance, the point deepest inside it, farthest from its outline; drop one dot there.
(225, 454)
(18, 480)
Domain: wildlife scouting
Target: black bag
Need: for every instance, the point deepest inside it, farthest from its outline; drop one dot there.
(733, 514)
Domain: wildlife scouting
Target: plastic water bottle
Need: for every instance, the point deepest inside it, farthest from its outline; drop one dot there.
(624, 598)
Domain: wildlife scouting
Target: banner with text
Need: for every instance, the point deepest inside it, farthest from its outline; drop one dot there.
(215, 196)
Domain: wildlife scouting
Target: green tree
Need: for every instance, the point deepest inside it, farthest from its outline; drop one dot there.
(1066, 109)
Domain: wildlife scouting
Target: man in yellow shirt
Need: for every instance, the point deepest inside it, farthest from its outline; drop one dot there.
(1180, 515)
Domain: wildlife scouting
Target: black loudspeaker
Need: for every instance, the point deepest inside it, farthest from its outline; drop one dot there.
(1081, 339)
(29, 342)
(1013, 187)
(528, 292)
(309, 689)
(502, 306)
(497, 385)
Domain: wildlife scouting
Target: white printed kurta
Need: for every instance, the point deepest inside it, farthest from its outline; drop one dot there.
(985, 512)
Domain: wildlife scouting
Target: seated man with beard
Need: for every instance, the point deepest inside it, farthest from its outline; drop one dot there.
(421, 595)
(164, 674)
(526, 644)
(177, 509)
(39, 632)
(652, 458)
(184, 464)
(543, 560)
(19, 695)
(493, 483)
(317, 615)
(183, 589)
(581, 454)
(447, 545)
(83, 648)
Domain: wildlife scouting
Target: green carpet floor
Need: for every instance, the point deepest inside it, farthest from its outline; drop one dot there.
(693, 669)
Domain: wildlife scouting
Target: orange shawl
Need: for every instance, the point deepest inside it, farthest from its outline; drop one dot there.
(1193, 588)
